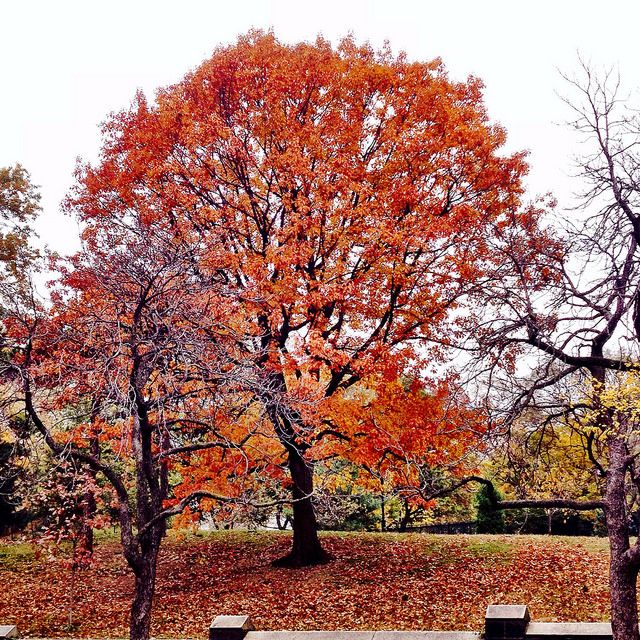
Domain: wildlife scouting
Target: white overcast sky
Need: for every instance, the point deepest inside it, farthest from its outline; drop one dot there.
(66, 64)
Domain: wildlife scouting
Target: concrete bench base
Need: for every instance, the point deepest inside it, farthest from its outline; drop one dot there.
(502, 622)
(362, 635)
(569, 631)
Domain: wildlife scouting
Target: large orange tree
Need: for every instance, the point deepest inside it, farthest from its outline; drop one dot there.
(342, 195)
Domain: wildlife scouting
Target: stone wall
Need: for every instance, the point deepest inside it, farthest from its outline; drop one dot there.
(502, 622)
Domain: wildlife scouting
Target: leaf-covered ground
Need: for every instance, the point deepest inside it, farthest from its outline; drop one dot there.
(390, 581)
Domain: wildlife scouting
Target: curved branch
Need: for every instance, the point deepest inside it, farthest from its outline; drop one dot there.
(553, 503)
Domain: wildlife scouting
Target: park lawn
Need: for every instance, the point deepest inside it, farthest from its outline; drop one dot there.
(377, 581)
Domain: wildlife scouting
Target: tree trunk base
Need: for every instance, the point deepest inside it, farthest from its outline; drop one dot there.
(295, 560)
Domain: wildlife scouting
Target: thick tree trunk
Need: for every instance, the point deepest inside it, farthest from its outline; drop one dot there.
(624, 601)
(306, 550)
(622, 575)
(406, 517)
(145, 582)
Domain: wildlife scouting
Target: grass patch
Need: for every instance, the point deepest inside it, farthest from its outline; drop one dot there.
(15, 556)
(106, 535)
(498, 549)
(590, 544)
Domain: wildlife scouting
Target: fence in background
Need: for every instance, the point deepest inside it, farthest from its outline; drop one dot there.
(447, 527)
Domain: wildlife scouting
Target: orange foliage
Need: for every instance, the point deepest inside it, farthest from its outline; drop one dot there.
(342, 200)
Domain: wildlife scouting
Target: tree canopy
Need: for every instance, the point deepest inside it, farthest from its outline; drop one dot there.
(343, 198)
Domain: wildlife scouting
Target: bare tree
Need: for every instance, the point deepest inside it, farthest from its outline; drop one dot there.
(561, 329)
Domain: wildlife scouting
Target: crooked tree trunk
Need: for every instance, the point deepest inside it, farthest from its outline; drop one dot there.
(306, 549)
(89, 500)
(624, 601)
(406, 517)
(152, 486)
(624, 561)
(145, 583)
(622, 574)
(85, 540)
